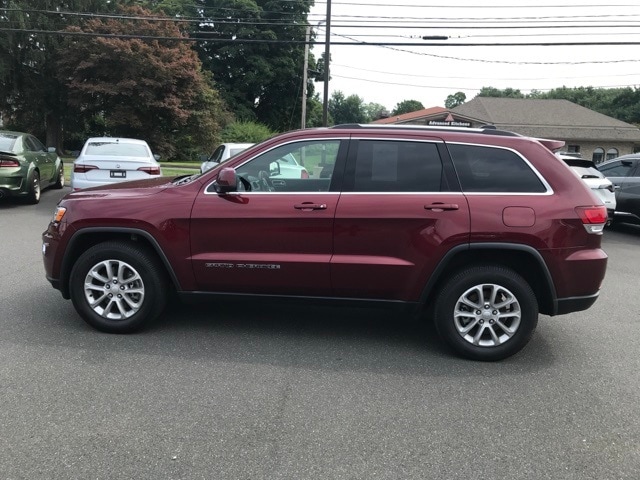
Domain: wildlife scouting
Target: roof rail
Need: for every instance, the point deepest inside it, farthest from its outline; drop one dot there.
(485, 129)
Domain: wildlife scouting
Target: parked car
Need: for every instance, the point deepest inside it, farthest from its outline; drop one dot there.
(223, 153)
(624, 173)
(479, 227)
(27, 167)
(105, 160)
(285, 167)
(595, 180)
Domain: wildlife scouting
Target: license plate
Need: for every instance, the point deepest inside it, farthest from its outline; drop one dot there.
(118, 174)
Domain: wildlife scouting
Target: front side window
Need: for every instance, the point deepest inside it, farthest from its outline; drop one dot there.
(397, 166)
(496, 170)
(299, 166)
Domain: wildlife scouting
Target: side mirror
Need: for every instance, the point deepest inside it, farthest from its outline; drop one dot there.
(274, 169)
(157, 157)
(51, 149)
(203, 157)
(227, 181)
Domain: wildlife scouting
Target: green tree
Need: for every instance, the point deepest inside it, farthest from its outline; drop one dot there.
(147, 89)
(260, 81)
(407, 106)
(246, 132)
(375, 111)
(346, 109)
(455, 99)
(33, 99)
(497, 93)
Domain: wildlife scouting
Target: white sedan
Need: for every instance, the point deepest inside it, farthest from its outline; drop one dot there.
(105, 160)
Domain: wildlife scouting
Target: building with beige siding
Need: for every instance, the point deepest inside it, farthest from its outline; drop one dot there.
(592, 134)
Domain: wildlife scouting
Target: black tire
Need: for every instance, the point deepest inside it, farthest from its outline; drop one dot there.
(137, 298)
(60, 178)
(33, 189)
(500, 326)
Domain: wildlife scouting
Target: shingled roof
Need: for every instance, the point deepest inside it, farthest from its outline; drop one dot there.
(406, 117)
(548, 119)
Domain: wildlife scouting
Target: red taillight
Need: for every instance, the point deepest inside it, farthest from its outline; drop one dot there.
(592, 215)
(81, 168)
(150, 170)
(9, 163)
(304, 174)
(593, 218)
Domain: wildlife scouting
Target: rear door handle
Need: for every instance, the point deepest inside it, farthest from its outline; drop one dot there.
(441, 207)
(310, 206)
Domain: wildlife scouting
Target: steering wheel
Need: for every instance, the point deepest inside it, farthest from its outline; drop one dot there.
(265, 181)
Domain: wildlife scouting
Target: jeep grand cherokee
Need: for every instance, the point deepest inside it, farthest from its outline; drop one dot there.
(486, 227)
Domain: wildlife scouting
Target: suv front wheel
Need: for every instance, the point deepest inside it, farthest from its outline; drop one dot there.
(486, 312)
(118, 287)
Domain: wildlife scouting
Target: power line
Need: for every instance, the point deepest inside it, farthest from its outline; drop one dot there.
(467, 77)
(302, 42)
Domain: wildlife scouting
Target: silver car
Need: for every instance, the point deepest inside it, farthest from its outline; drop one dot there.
(105, 160)
(223, 153)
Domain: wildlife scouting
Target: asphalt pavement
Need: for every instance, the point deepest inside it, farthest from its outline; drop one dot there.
(250, 391)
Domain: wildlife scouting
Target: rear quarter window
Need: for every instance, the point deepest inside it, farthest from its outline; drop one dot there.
(491, 169)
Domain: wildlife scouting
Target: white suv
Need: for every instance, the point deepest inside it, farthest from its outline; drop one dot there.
(595, 180)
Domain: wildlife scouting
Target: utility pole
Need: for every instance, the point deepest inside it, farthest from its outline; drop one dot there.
(327, 54)
(303, 122)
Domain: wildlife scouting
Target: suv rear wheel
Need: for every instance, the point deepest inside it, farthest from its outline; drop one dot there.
(486, 312)
(118, 287)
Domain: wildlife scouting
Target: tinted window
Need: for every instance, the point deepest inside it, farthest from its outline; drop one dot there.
(488, 169)
(616, 169)
(217, 154)
(391, 166)
(37, 145)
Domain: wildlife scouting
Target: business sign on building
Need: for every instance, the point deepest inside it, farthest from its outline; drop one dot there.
(449, 121)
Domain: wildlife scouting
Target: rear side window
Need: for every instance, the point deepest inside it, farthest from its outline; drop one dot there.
(490, 169)
(392, 166)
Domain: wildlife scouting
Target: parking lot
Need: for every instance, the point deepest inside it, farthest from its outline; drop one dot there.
(252, 391)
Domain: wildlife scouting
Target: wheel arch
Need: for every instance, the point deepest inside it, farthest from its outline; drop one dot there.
(88, 237)
(523, 259)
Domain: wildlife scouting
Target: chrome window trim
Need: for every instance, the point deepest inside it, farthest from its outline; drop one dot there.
(549, 191)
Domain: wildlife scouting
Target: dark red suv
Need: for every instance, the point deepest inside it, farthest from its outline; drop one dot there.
(487, 227)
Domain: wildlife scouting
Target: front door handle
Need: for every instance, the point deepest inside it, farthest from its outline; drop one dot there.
(441, 207)
(310, 206)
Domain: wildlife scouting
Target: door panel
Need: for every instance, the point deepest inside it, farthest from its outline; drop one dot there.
(396, 219)
(269, 237)
(386, 246)
(261, 243)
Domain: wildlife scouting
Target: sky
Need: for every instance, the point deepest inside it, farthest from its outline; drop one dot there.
(435, 69)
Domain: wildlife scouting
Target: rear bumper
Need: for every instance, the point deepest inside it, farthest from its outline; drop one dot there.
(575, 304)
